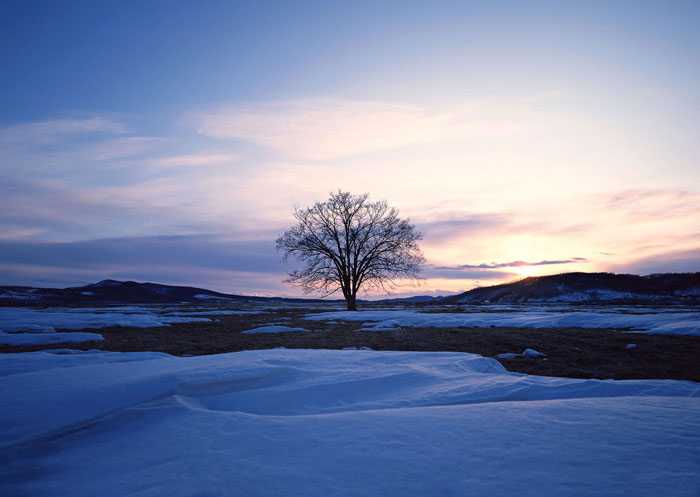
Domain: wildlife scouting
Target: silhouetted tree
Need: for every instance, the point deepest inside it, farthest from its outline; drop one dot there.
(348, 242)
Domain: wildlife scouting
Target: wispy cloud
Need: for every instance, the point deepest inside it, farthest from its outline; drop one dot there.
(655, 204)
(201, 260)
(331, 128)
(513, 264)
(191, 160)
(60, 147)
(455, 226)
(56, 210)
(673, 261)
(121, 148)
(53, 130)
(459, 273)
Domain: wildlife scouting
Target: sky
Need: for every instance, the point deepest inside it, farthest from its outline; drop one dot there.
(171, 141)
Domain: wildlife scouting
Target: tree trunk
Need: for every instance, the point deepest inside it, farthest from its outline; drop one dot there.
(351, 303)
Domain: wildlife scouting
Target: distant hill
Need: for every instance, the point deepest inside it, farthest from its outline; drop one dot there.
(416, 299)
(120, 292)
(567, 287)
(589, 288)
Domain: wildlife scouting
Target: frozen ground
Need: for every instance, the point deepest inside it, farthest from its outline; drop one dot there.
(341, 423)
(216, 312)
(47, 338)
(25, 326)
(656, 320)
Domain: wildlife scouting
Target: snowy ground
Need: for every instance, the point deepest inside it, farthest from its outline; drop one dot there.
(653, 320)
(341, 423)
(25, 326)
(273, 328)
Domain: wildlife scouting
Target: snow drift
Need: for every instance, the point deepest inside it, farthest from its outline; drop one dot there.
(343, 423)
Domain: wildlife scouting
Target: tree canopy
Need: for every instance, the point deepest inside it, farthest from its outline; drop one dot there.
(348, 242)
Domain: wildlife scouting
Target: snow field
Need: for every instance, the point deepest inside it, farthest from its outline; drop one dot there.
(26, 326)
(343, 423)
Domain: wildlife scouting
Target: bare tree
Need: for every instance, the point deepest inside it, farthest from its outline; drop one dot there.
(348, 242)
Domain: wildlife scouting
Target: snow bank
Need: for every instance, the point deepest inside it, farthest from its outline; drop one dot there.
(274, 328)
(63, 358)
(676, 323)
(22, 326)
(16, 319)
(533, 354)
(527, 354)
(343, 423)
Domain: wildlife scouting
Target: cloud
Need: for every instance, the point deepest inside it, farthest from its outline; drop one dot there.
(655, 204)
(55, 130)
(331, 128)
(441, 230)
(190, 160)
(322, 129)
(64, 146)
(48, 208)
(120, 148)
(10, 232)
(501, 265)
(213, 251)
(56, 210)
(199, 260)
(681, 261)
(459, 273)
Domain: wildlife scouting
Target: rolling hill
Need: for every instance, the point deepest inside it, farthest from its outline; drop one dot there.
(564, 288)
(589, 288)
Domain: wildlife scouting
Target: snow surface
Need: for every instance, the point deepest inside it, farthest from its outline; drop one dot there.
(342, 423)
(527, 353)
(533, 354)
(16, 319)
(24, 326)
(659, 322)
(205, 296)
(273, 328)
(507, 355)
(62, 358)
